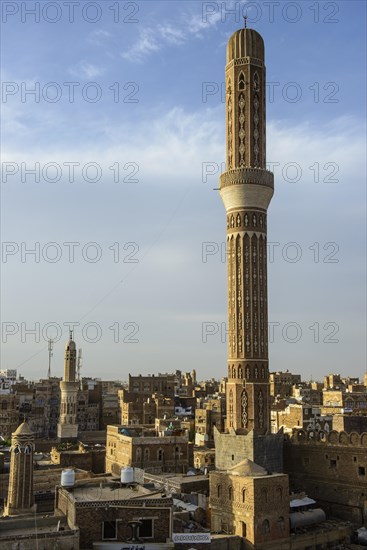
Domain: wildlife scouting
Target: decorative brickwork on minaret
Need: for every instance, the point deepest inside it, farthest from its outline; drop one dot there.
(20, 495)
(246, 189)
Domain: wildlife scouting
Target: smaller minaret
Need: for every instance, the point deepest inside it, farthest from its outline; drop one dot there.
(67, 428)
(20, 494)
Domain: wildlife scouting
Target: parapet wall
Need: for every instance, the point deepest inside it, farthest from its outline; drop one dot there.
(303, 437)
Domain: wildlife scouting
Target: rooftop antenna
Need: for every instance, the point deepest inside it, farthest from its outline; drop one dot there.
(50, 354)
(79, 366)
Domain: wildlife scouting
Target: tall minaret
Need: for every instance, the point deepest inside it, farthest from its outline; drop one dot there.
(20, 494)
(67, 428)
(246, 189)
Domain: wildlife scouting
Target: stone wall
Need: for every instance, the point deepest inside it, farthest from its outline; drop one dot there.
(264, 450)
(332, 469)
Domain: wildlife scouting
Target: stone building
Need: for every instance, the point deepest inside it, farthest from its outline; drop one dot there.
(144, 409)
(106, 511)
(110, 409)
(250, 503)
(210, 412)
(164, 384)
(351, 399)
(332, 468)
(9, 414)
(138, 447)
(281, 383)
(299, 415)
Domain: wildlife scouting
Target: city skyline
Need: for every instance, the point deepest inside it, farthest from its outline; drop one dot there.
(173, 299)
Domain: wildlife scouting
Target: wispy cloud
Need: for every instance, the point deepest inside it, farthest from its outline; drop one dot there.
(99, 36)
(86, 70)
(187, 26)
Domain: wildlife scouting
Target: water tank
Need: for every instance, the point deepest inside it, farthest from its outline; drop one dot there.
(68, 478)
(127, 475)
(309, 517)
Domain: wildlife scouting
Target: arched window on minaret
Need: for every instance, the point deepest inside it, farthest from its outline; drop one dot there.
(243, 495)
(230, 492)
(241, 81)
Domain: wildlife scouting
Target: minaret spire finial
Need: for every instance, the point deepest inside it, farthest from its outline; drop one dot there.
(245, 21)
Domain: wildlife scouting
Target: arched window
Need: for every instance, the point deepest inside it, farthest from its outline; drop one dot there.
(160, 454)
(281, 524)
(219, 491)
(264, 495)
(265, 527)
(230, 493)
(146, 455)
(243, 495)
(241, 81)
(279, 494)
(138, 454)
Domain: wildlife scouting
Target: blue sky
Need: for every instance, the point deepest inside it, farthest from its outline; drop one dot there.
(164, 129)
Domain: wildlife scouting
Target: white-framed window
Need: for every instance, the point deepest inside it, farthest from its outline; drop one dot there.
(109, 530)
(146, 529)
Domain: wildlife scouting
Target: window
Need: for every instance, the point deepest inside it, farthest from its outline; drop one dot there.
(230, 493)
(281, 524)
(265, 528)
(243, 495)
(241, 82)
(361, 471)
(146, 529)
(332, 463)
(219, 491)
(109, 530)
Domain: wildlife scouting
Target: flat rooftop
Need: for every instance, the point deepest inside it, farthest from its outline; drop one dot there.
(107, 490)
